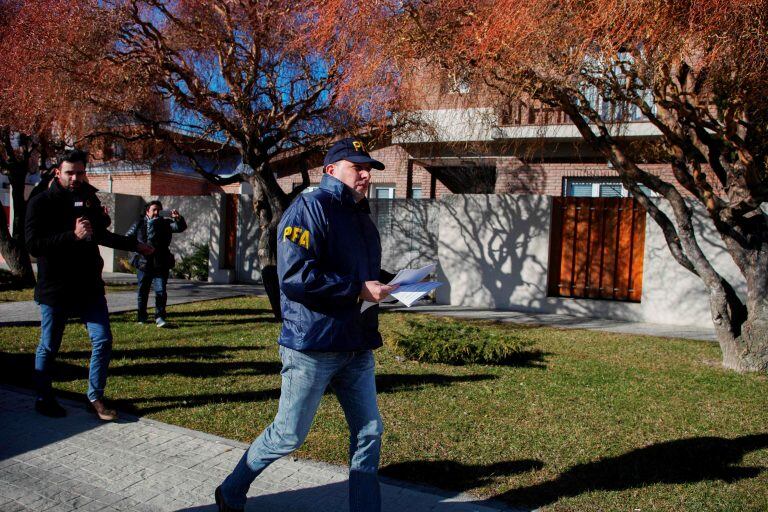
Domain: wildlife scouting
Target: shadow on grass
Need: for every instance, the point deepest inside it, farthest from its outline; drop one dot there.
(203, 370)
(448, 474)
(17, 369)
(396, 382)
(220, 312)
(176, 323)
(202, 352)
(192, 401)
(681, 461)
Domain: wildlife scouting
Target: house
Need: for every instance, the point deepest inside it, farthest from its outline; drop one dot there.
(460, 141)
(526, 216)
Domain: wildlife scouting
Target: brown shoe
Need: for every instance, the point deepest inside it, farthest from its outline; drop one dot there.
(102, 412)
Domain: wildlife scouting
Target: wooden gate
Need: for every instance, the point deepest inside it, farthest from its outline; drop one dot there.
(596, 248)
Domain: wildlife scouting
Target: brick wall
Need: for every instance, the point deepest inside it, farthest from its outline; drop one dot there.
(139, 184)
(517, 177)
(395, 159)
(160, 184)
(513, 175)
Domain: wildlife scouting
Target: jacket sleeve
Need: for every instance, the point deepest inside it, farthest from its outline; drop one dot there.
(133, 231)
(39, 241)
(179, 225)
(303, 275)
(101, 235)
(115, 241)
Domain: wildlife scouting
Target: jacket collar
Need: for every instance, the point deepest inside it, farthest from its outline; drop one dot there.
(342, 193)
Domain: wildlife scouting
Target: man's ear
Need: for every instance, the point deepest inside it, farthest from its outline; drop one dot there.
(329, 169)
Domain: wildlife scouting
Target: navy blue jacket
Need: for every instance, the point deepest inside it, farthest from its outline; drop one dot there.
(327, 247)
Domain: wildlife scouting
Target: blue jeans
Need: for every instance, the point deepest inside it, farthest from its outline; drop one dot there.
(157, 279)
(95, 316)
(305, 376)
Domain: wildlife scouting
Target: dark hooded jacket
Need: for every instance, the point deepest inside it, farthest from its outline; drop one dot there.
(157, 233)
(69, 270)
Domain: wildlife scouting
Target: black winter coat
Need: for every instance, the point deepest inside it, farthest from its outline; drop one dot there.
(157, 233)
(68, 269)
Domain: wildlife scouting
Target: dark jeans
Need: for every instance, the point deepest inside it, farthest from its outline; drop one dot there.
(95, 316)
(157, 279)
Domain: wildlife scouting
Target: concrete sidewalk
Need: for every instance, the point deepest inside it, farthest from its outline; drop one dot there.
(180, 291)
(80, 463)
(704, 333)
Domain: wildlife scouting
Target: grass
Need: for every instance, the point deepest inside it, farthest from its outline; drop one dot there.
(585, 421)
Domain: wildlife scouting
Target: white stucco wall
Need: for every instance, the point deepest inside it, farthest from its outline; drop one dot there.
(493, 252)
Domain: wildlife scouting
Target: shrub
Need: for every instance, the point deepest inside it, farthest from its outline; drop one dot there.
(193, 266)
(449, 341)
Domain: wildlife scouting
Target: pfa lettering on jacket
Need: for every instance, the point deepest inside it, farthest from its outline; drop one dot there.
(297, 235)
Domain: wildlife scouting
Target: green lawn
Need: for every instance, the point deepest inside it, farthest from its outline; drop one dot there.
(587, 421)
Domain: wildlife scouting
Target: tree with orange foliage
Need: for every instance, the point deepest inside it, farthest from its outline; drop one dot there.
(698, 71)
(54, 92)
(265, 77)
(33, 102)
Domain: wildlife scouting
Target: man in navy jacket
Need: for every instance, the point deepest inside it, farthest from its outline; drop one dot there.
(329, 260)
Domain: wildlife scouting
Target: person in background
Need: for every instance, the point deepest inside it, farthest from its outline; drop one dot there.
(157, 231)
(64, 226)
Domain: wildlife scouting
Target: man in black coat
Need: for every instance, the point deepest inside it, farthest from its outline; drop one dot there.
(157, 232)
(65, 224)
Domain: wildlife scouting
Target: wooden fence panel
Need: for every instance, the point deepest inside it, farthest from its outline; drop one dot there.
(596, 248)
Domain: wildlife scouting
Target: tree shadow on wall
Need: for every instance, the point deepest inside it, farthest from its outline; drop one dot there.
(493, 238)
(408, 230)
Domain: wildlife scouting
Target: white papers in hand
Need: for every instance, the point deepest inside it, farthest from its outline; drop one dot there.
(410, 276)
(410, 293)
(411, 288)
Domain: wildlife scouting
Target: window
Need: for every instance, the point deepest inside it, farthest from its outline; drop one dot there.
(416, 193)
(456, 83)
(612, 105)
(384, 192)
(118, 150)
(600, 187)
(612, 190)
(594, 188)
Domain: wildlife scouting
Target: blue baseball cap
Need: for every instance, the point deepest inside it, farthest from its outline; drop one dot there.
(351, 150)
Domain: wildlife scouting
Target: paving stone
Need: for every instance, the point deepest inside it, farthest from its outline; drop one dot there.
(77, 463)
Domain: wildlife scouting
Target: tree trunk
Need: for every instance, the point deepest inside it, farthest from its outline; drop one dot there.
(268, 263)
(748, 350)
(269, 202)
(13, 248)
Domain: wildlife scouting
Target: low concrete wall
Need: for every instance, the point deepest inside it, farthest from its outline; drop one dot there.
(493, 252)
(408, 230)
(248, 270)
